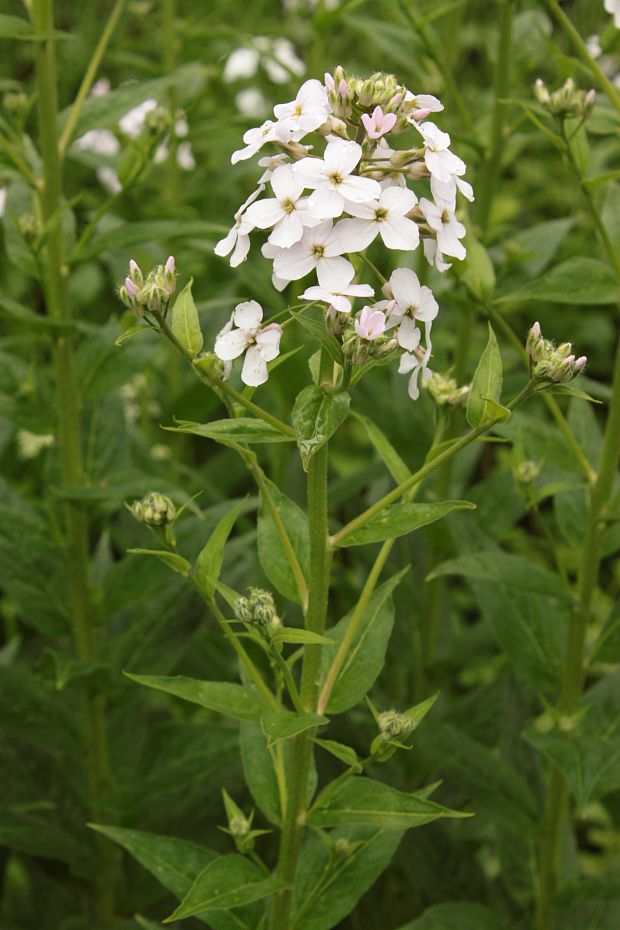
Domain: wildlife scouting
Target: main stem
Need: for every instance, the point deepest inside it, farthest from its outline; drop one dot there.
(69, 442)
(318, 592)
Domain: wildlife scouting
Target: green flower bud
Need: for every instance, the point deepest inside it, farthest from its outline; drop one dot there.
(445, 391)
(154, 509)
(392, 724)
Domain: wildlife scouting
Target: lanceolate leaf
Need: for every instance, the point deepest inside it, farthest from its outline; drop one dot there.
(504, 568)
(359, 801)
(221, 696)
(209, 562)
(578, 280)
(392, 460)
(176, 562)
(272, 553)
(316, 416)
(227, 882)
(240, 429)
(400, 519)
(486, 384)
(366, 654)
(286, 724)
(185, 322)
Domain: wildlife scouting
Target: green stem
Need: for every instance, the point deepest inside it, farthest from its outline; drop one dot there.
(318, 592)
(89, 77)
(582, 50)
(69, 442)
(492, 166)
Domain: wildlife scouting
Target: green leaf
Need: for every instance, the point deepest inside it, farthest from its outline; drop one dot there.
(346, 754)
(209, 561)
(176, 562)
(20, 30)
(510, 570)
(298, 636)
(566, 389)
(535, 247)
(476, 271)
(390, 457)
(125, 236)
(580, 281)
(329, 342)
(456, 914)
(259, 772)
(273, 556)
(327, 888)
(418, 712)
(486, 384)
(285, 724)
(175, 863)
(185, 322)
(227, 882)
(400, 519)
(221, 696)
(360, 801)
(241, 429)
(129, 332)
(316, 416)
(366, 655)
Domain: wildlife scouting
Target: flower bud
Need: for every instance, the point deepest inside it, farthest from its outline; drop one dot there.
(135, 273)
(552, 363)
(259, 608)
(535, 343)
(567, 101)
(445, 391)
(154, 509)
(526, 472)
(392, 724)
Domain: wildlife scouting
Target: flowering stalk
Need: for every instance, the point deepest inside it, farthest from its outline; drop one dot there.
(69, 441)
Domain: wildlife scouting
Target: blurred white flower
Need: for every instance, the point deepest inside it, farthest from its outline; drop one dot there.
(29, 445)
(277, 57)
(132, 123)
(108, 179)
(99, 141)
(613, 7)
(252, 102)
(2, 200)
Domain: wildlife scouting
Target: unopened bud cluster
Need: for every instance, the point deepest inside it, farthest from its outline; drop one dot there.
(153, 294)
(550, 362)
(445, 391)
(259, 608)
(527, 472)
(364, 337)
(569, 100)
(154, 509)
(392, 724)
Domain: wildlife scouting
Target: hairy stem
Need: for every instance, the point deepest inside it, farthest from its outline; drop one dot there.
(69, 442)
(318, 592)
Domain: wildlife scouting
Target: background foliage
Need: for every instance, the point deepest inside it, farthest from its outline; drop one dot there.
(487, 630)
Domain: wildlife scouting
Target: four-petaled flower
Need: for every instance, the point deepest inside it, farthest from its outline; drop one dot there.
(379, 123)
(335, 185)
(286, 212)
(440, 161)
(237, 239)
(307, 111)
(370, 324)
(336, 291)
(318, 248)
(447, 228)
(262, 343)
(386, 217)
(412, 302)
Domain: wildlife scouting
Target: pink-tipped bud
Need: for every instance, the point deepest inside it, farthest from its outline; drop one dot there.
(590, 97)
(396, 101)
(133, 266)
(343, 89)
(170, 265)
(131, 289)
(581, 361)
(330, 84)
(535, 330)
(569, 359)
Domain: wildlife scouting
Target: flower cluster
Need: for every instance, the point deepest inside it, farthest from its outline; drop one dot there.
(153, 294)
(154, 509)
(550, 362)
(568, 101)
(319, 209)
(259, 608)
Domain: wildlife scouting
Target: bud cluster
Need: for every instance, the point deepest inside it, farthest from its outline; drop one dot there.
(445, 391)
(567, 101)
(392, 724)
(550, 362)
(364, 336)
(153, 294)
(154, 509)
(259, 608)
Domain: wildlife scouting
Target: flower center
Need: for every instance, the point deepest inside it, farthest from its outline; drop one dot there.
(298, 109)
(288, 206)
(335, 178)
(380, 214)
(445, 216)
(318, 250)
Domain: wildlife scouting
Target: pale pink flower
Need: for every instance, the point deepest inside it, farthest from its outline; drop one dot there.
(379, 123)
(370, 324)
(262, 343)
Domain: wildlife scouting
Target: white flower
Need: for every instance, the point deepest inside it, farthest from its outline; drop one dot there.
(262, 343)
(108, 178)
(593, 45)
(286, 212)
(255, 139)
(385, 217)
(433, 255)
(237, 239)
(613, 7)
(440, 161)
(447, 228)
(251, 102)
(423, 105)
(100, 88)
(318, 248)
(132, 123)
(242, 63)
(270, 163)
(416, 362)
(280, 60)
(307, 111)
(185, 156)
(412, 302)
(370, 324)
(332, 179)
(336, 291)
(445, 191)
(99, 141)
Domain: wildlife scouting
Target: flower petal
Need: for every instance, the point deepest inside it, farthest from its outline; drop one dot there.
(230, 345)
(248, 315)
(268, 341)
(265, 213)
(399, 233)
(254, 371)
